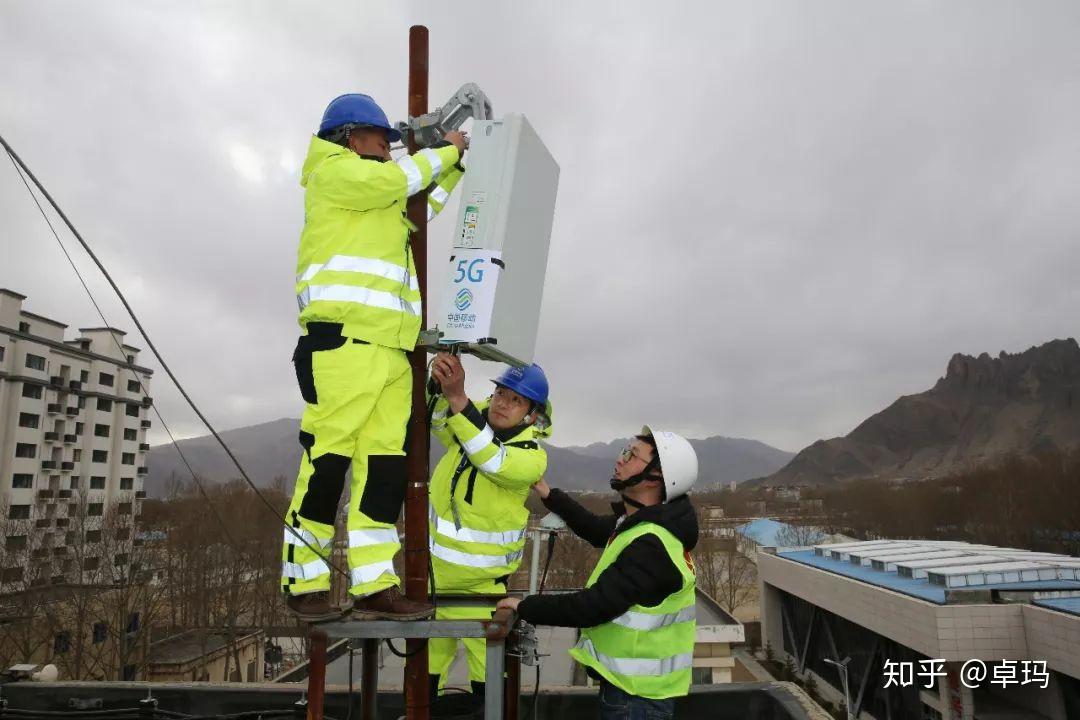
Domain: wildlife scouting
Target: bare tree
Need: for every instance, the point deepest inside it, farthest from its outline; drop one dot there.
(799, 536)
(725, 571)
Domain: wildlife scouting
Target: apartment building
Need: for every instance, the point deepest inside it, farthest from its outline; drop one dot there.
(73, 425)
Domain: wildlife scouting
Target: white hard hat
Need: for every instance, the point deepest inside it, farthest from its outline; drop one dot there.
(678, 461)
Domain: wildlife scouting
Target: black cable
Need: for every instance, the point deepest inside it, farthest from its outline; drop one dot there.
(164, 366)
(135, 375)
(406, 654)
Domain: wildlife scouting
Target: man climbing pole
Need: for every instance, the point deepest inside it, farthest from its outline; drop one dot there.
(478, 494)
(637, 609)
(360, 312)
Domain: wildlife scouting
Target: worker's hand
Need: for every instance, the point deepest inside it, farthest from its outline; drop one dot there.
(508, 603)
(459, 139)
(542, 489)
(447, 370)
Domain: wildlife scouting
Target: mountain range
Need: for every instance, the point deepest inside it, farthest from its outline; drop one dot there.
(983, 409)
(269, 450)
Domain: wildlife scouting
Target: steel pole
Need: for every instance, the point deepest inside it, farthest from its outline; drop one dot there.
(417, 702)
(369, 679)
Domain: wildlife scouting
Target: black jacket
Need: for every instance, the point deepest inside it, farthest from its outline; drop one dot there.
(643, 574)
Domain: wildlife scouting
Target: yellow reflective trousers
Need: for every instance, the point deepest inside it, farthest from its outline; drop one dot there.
(358, 399)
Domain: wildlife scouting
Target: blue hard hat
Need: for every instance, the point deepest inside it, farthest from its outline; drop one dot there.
(528, 382)
(359, 110)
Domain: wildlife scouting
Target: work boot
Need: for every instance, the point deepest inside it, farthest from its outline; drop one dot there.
(390, 604)
(313, 607)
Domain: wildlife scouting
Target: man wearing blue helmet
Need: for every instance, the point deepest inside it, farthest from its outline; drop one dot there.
(478, 493)
(360, 313)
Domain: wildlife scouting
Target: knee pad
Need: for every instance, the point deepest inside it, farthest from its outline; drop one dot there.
(324, 488)
(384, 489)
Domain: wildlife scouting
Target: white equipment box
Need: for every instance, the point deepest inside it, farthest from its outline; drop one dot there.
(491, 305)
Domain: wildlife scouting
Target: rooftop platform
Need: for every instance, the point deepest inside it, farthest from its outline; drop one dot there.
(741, 701)
(928, 570)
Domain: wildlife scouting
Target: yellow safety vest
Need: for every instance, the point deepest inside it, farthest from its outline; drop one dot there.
(646, 651)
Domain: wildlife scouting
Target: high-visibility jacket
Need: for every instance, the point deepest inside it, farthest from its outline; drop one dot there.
(477, 499)
(646, 651)
(355, 265)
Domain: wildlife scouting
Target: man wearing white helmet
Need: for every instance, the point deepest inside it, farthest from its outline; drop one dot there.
(637, 609)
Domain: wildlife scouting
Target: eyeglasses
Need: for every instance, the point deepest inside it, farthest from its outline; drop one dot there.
(628, 454)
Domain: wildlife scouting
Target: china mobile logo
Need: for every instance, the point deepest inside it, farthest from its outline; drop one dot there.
(463, 299)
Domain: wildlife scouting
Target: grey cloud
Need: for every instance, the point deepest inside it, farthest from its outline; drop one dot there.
(774, 217)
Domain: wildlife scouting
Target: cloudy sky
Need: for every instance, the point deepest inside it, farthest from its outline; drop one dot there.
(773, 217)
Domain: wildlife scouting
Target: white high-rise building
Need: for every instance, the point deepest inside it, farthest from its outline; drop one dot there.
(73, 424)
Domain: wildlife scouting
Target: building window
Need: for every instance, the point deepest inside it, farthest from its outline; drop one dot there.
(122, 534)
(104, 404)
(131, 359)
(61, 643)
(93, 536)
(127, 458)
(123, 508)
(29, 420)
(84, 376)
(25, 450)
(95, 509)
(101, 632)
(35, 362)
(97, 482)
(131, 434)
(105, 379)
(132, 410)
(1, 353)
(69, 539)
(127, 483)
(79, 427)
(15, 542)
(76, 455)
(133, 385)
(100, 456)
(101, 431)
(31, 391)
(22, 481)
(19, 512)
(24, 327)
(82, 402)
(11, 575)
(120, 560)
(74, 483)
(130, 672)
(90, 563)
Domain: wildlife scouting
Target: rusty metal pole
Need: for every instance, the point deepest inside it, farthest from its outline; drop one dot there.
(316, 687)
(513, 687)
(417, 702)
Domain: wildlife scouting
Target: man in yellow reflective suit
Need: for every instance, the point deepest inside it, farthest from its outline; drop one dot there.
(360, 312)
(478, 492)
